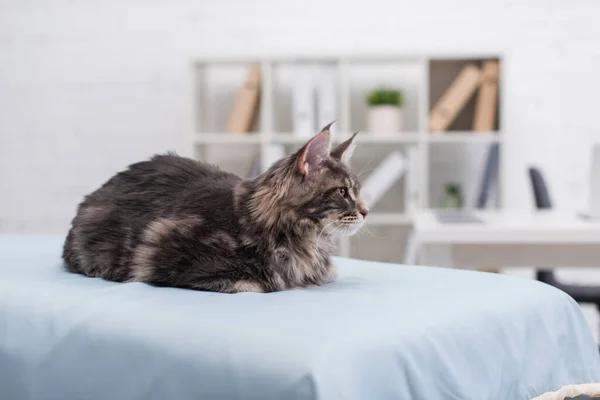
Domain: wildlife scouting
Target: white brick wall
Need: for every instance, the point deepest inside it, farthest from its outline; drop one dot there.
(86, 87)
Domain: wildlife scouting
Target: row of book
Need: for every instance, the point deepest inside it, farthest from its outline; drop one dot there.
(471, 79)
(314, 99)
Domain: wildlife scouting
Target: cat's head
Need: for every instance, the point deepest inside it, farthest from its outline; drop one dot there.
(314, 185)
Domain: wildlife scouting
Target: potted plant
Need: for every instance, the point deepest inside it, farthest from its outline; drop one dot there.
(453, 197)
(384, 115)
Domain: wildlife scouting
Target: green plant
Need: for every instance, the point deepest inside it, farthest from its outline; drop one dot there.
(453, 196)
(385, 97)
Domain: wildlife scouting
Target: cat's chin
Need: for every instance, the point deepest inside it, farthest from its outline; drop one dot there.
(348, 229)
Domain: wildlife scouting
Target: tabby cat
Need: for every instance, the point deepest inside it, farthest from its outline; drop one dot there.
(172, 221)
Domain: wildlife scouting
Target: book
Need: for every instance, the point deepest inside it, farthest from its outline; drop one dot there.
(303, 100)
(489, 177)
(246, 103)
(454, 98)
(486, 105)
(382, 178)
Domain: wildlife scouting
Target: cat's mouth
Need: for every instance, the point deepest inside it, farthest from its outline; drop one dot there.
(343, 226)
(348, 226)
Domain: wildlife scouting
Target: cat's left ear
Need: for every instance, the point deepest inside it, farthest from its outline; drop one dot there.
(314, 152)
(344, 151)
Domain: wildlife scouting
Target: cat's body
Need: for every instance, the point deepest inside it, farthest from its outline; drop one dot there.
(173, 221)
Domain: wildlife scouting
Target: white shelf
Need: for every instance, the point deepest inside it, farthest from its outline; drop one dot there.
(463, 137)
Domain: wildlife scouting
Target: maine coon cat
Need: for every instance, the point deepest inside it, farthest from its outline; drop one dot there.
(173, 221)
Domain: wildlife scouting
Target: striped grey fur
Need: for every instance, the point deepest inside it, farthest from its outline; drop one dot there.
(172, 221)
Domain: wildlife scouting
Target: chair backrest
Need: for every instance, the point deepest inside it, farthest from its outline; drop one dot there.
(542, 200)
(540, 190)
(580, 293)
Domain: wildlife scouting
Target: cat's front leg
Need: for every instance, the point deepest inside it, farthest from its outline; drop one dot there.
(248, 286)
(331, 274)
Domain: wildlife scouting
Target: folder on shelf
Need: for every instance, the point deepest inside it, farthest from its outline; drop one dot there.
(303, 100)
(487, 98)
(454, 99)
(327, 97)
(383, 177)
(246, 102)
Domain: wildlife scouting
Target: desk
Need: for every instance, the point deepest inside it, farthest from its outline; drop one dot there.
(543, 239)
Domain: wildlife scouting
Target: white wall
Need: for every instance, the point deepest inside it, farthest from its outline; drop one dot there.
(86, 87)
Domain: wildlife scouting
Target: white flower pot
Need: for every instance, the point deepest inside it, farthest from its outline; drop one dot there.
(384, 120)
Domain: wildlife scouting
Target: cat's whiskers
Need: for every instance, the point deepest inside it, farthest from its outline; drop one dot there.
(347, 228)
(333, 231)
(368, 232)
(357, 235)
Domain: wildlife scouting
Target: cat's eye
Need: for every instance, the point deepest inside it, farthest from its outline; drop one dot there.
(343, 191)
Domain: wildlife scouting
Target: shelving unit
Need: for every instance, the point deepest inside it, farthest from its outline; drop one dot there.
(218, 79)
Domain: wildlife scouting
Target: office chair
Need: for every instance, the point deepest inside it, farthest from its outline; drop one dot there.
(580, 293)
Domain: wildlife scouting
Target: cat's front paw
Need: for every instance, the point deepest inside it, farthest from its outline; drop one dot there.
(310, 286)
(247, 286)
(331, 275)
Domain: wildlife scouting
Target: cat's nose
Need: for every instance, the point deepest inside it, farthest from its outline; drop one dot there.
(363, 209)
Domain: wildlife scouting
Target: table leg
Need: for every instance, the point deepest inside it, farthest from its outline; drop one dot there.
(411, 252)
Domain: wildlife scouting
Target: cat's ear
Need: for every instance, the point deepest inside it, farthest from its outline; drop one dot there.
(315, 151)
(344, 151)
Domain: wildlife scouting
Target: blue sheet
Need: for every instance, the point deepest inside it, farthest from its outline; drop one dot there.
(381, 331)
